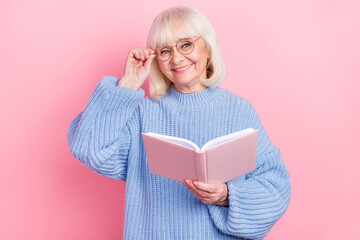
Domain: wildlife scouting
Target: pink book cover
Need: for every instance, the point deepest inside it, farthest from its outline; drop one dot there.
(220, 160)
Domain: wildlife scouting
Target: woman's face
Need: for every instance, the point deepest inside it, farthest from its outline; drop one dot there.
(185, 71)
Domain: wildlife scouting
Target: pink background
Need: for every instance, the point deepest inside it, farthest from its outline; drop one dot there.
(298, 62)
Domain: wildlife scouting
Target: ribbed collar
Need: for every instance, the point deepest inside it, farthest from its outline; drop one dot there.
(193, 100)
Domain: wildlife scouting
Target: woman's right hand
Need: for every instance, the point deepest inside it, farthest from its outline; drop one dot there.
(137, 68)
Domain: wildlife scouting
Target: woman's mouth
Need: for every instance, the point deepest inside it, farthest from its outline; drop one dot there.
(182, 69)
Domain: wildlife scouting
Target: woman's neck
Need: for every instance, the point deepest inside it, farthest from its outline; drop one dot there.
(186, 89)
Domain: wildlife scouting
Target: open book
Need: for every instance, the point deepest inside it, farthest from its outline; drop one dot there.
(218, 161)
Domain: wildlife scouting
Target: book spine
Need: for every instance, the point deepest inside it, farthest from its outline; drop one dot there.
(201, 168)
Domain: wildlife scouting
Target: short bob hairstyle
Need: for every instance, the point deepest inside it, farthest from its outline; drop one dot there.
(181, 22)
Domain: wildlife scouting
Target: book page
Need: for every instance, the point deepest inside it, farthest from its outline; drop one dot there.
(180, 141)
(222, 139)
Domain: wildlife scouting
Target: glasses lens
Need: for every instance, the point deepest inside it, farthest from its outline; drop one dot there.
(185, 46)
(163, 53)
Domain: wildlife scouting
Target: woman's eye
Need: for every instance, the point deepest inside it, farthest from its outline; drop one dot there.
(166, 51)
(185, 45)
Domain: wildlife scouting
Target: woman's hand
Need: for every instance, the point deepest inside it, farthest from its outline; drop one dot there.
(137, 68)
(209, 193)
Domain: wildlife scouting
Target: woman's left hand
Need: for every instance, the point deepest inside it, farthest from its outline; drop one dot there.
(208, 193)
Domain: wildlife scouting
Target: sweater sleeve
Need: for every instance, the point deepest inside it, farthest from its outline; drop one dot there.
(258, 199)
(100, 135)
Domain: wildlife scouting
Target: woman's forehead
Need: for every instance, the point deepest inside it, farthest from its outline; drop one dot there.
(170, 35)
(171, 39)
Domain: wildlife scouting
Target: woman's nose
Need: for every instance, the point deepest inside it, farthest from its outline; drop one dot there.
(177, 57)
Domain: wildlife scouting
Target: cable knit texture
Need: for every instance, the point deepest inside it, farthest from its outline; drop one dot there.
(106, 137)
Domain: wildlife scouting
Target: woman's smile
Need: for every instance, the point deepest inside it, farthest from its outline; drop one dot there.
(182, 69)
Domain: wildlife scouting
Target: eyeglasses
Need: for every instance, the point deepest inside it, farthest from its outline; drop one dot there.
(185, 46)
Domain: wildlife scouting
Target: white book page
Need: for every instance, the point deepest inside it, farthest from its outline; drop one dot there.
(179, 141)
(222, 139)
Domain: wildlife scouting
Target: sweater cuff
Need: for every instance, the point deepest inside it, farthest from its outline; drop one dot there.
(220, 214)
(113, 95)
(233, 220)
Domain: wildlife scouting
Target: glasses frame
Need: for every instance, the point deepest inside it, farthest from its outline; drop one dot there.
(172, 48)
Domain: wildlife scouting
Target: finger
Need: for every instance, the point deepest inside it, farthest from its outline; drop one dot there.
(216, 191)
(196, 190)
(135, 53)
(148, 61)
(147, 53)
(185, 182)
(190, 186)
(142, 54)
(150, 52)
(206, 187)
(134, 56)
(205, 200)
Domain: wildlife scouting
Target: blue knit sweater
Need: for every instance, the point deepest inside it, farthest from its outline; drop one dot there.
(106, 137)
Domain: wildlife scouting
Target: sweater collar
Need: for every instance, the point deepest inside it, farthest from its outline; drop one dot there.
(192, 100)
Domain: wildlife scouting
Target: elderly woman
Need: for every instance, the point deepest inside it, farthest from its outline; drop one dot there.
(186, 67)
